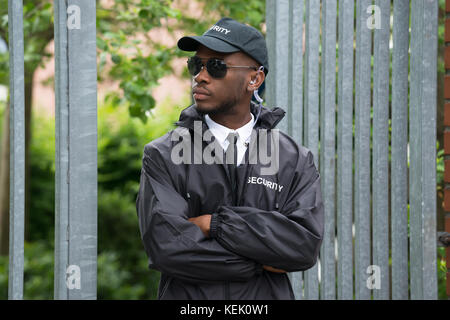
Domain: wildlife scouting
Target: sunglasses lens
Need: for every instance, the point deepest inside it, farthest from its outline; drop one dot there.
(216, 68)
(194, 65)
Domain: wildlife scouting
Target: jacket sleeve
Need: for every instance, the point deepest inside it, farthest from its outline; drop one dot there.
(289, 239)
(174, 245)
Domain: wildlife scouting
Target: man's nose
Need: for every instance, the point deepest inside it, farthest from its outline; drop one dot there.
(202, 76)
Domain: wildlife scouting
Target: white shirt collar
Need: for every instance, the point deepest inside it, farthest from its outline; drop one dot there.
(221, 132)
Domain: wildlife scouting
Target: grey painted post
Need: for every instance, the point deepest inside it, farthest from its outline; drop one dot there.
(270, 41)
(399, 142)
(296, 97)
(380, 143)
(327, 148)
(362, 149)
(76, 150)
(345, 152)
(17, 154)
(311, 113)
(279, 93)
(296, 69)
(422, 139)
(277, 17)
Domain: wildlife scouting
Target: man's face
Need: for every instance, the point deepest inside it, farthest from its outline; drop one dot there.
(214, 96)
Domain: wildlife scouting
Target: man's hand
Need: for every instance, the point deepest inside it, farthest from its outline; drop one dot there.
(272, 269)
(203, 222)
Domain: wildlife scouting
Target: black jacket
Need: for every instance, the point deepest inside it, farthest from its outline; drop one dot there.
(263, 226)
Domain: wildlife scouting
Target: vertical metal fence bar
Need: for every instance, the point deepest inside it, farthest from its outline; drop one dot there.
(380, 145)
(399, 142)
(424, 17)
(270, 40)
(415, 187)
(279, 29)
(327, 148)
(296, 97)
(362, 149)
(17, 154)
(77, 102)
(311, 125)
(277, 79)
(296, 69)
(62, 152)
(345, 152)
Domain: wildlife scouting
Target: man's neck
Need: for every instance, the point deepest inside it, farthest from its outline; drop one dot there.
(238, 118)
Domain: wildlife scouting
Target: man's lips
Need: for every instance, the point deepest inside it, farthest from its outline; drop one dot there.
(200, 94)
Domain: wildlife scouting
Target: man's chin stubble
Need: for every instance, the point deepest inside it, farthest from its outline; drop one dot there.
(220, 109)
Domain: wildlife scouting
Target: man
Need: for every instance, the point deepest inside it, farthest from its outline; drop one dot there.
(221, 230)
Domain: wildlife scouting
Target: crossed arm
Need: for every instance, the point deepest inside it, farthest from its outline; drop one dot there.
(234, 243)
(204, 223)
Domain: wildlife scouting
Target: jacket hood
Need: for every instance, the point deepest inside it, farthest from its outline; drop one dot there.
(268, 119)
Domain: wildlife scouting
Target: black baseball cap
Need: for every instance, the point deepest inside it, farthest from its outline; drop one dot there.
(227, 36)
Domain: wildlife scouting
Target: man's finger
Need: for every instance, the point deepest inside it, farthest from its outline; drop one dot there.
(272, 269)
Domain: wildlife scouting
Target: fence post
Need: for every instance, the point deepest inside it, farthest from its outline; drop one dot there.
(422, 142)
(76, 150)
(327, 148)
(380, 145)
(362, 149)
(284, 21)
(311, 113)
(399, 143)
(345, 152)
(277, 13)
(17, 150)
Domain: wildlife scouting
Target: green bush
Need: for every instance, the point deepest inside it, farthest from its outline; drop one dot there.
(442, 274)
(38, 272)
(120, 150)
(122, 263)
(41, 220)
(114, 280)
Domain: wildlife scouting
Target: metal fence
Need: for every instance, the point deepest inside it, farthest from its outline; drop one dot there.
(76, 150)
(360, 92)
(369, 120)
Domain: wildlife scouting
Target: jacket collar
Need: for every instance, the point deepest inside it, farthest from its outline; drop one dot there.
(268, 119)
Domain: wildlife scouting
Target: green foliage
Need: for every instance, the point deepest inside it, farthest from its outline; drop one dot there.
(441, 32)
(122, 139)
(138, 62)
(440, 166)
(122, 264)
(38, 272)
(442, 271)
(121, 143)
(38, 32)
(42, 180)
(114, 280)
(252, 12)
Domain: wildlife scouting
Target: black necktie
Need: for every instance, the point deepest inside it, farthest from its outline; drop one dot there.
(231, 161)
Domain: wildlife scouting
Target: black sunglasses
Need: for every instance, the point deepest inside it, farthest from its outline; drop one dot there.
(217, 68)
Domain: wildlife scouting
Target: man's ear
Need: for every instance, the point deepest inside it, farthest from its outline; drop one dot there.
(256, 81)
